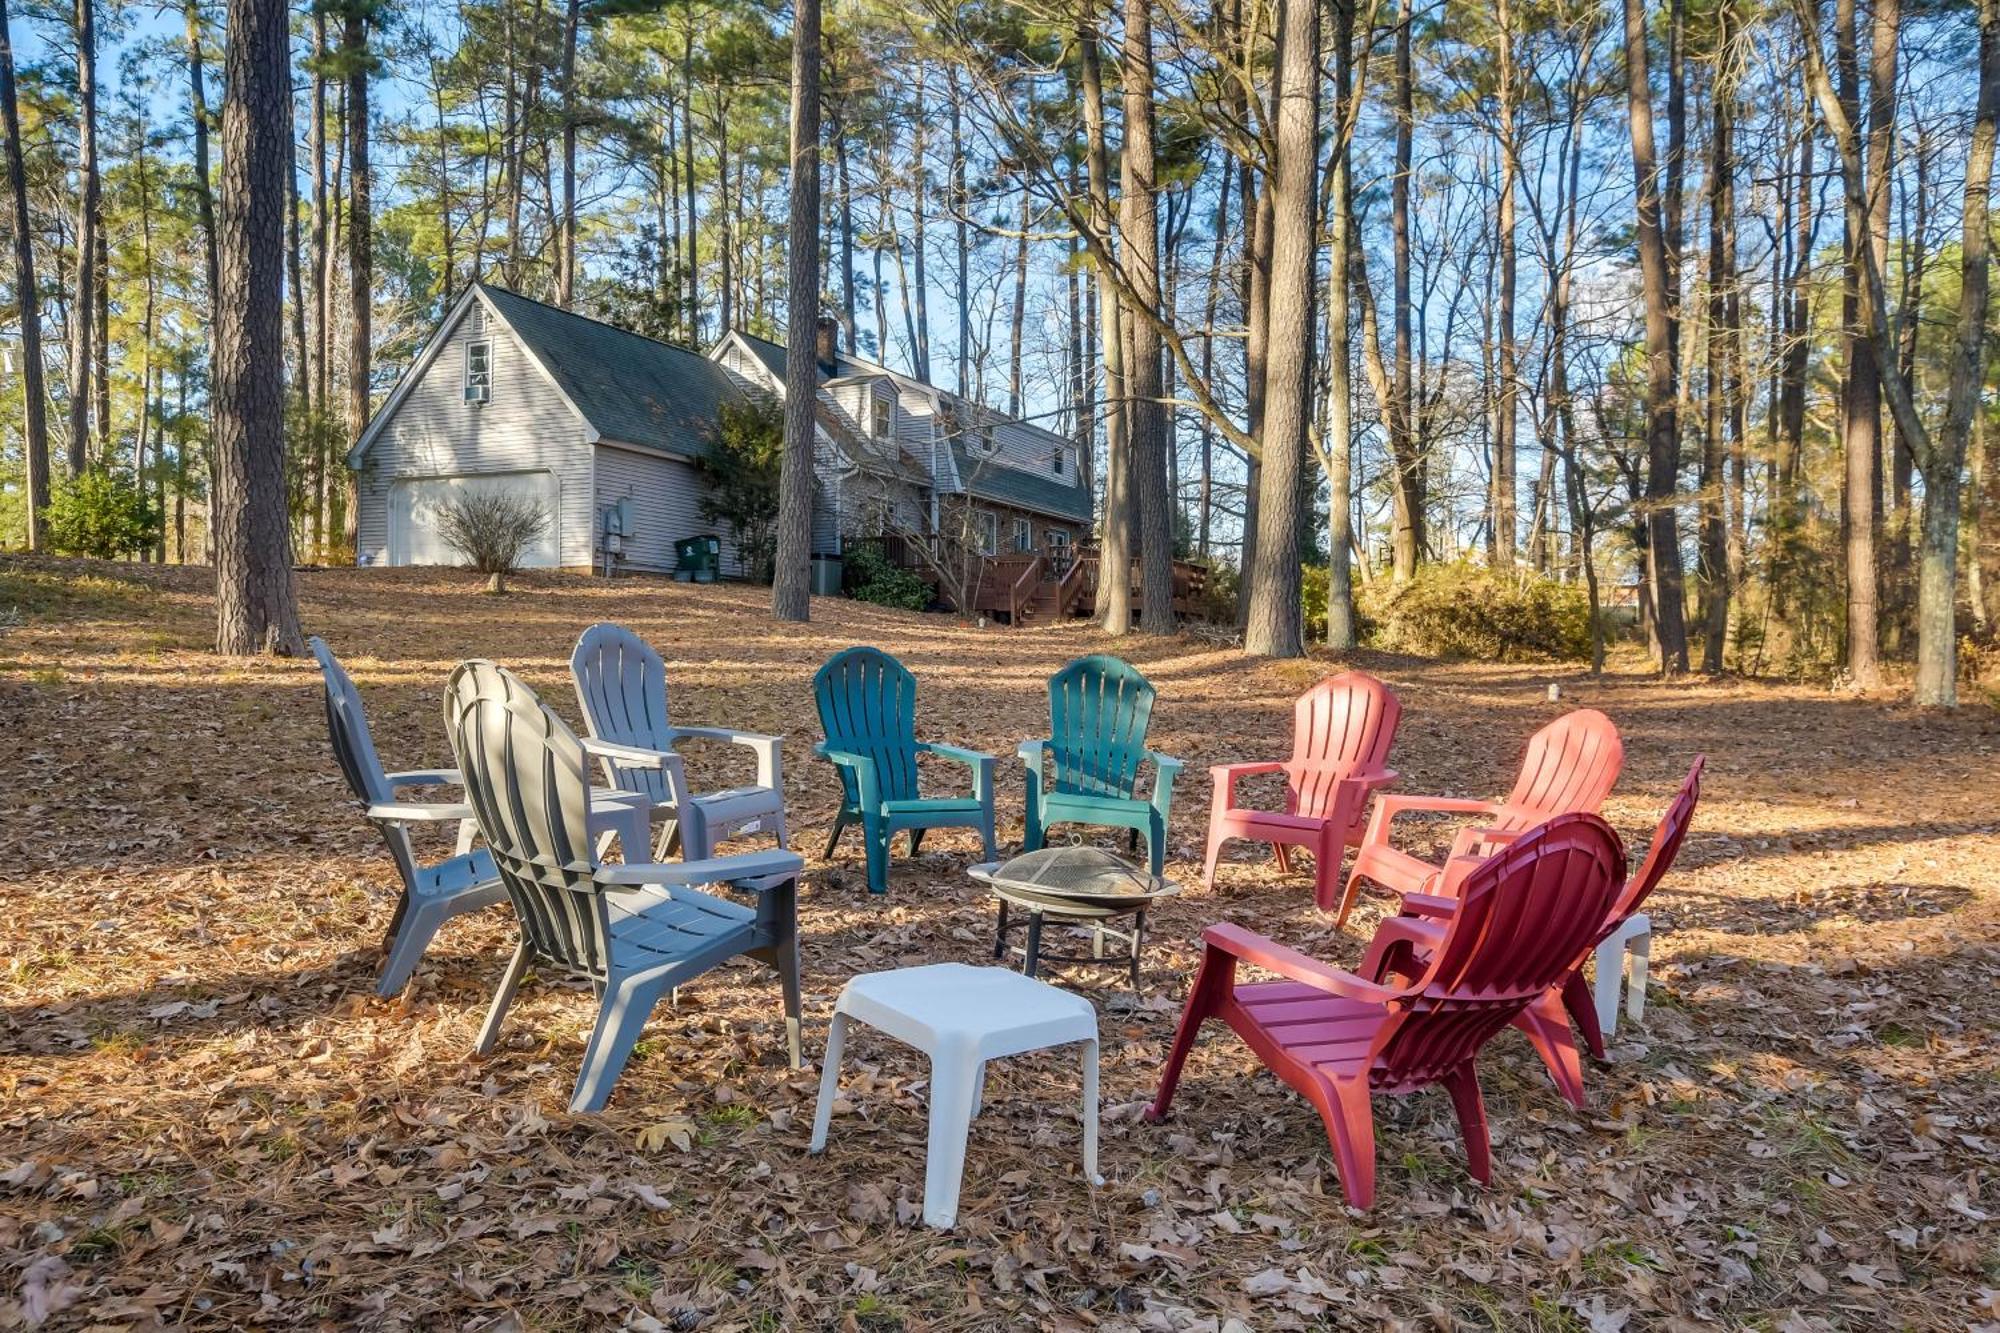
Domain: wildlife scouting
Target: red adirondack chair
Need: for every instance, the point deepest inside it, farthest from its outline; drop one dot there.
(1402, 946)
(1525, 915)
(1341, 731)
(1569, 768)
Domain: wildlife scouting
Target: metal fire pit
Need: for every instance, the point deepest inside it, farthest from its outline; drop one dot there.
(1082, 884)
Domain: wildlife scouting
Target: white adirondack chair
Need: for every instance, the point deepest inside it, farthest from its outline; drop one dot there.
(632, 930)
(621, 685)
(432, 894)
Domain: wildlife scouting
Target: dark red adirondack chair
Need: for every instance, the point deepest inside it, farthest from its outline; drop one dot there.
(1402, 946)
(1523, 918)
(1341, 731)
(1570, 767)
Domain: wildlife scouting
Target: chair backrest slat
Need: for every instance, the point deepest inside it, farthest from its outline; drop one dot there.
(621, 686)
(527, 780)
(1570, 766)
(354, 750)
(1525, 917)
(1099, 710)
(1341, 725)
(868, 706)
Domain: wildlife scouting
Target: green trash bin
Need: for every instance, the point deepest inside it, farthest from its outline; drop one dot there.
(697, 559)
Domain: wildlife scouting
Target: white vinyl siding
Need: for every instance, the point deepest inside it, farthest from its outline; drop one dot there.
(664, 496)
(435, 433)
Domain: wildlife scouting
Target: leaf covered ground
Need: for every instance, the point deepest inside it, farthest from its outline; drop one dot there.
(208, 1120)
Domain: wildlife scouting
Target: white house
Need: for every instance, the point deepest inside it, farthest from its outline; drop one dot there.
(603, 426)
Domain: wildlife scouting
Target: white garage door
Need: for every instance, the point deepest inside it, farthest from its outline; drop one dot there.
(413, 534)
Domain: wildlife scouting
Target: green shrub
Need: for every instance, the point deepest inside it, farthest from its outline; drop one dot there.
(740, 472)
(869, 577)
(1463, 610)
(101, 513)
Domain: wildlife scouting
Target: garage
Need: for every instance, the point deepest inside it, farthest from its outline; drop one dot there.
(413, 504)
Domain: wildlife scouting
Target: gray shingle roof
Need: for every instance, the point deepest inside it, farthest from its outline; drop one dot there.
(984, 478)
(631, 388)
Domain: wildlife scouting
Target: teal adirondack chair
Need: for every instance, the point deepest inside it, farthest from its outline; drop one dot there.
(1087, 770)
(868, 707)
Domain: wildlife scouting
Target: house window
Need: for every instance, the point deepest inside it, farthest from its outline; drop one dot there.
(1024, 535)
(882, 418)
(983, 441)
(1056, 460)
(478, 372)
(986, 532)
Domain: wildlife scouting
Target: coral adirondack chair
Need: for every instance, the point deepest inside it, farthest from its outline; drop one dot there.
(868, 708)
(1402, 944)
(1524, 917)
(433, 893)
(1086, 771)
(621, 685)
(633, 930)
(1341, 732)
(1569, 768)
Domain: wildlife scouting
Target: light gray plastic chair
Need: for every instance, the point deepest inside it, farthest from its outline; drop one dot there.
(432, 894)
(621, 685)
(632, 930)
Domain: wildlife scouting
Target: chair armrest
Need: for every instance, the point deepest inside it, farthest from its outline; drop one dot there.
(1031, 753)
(1400, 940)
(1388, 807)
(860, 765)
(766, 748)
(1371, 778)
(1430, 905)
(428, 777)
(420, 812)
(978, 761)
(617, 756)
(1226, 775)
(740, 870)
(1168, 768)
(1250, 947)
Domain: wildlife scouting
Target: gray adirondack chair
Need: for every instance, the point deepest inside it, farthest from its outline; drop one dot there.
(434, 893)
(621, 685)
(633, 930)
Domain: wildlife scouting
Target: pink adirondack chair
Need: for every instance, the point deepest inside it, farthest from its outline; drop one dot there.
(1402, 946)
(1341, 732)
(1569, 768)
(1525, 915)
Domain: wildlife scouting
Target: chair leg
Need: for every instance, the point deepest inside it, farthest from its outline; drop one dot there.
(833, 839)
(877, 839)
(987, 844)
(697, 840)
(1471, 1108)
(829, 1079)
(1349, 1115)
(1090, 1113)
(1156, 842)
(1326, 868)
(1212, 982)
(1347, 898)
(916, 840)
(510, 981)
(1610, 978)
(1033, 833)
(627, 1005)
(953, 1075)
(778, 829)
(786, 960)
(413, 937)
(1282, 854)
(1216, 837)
(1547, 1026)
(1132, 841)
(1581, 1003)
(1640, 952)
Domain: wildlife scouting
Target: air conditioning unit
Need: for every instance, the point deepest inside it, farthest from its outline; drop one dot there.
(477, 393)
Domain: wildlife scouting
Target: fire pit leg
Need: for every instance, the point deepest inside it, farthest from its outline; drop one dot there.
(1000, 936)
(1034, 943)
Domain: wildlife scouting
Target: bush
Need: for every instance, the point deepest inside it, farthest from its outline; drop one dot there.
(869, 577)
(1468, 611)
(491, 531)
(741, 471)
(101, 513)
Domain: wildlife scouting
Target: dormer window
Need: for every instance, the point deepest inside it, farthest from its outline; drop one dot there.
(478, 372)
(882, 418)
(1056, 460)
(983, 441)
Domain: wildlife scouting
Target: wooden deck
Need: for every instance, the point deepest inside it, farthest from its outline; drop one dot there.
(1036, 587)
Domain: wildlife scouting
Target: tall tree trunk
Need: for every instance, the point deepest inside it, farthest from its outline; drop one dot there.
(1407, 540)
(1020, 320)
(1662, 390)
(688, 183)
(83, 306)
(1139, 224)
(566, 257)
(1506, 404)
(1720, 336)
(255, 606)
(1861, 402)
(1256, 357)
(33, 393)
(1937, 598)
(322, 258)
(1274, 629)
(963, 243)
(1114, 581)
(790, 586)
(920, 196)
(1205, 499)
(1340, 626)
(360, 245)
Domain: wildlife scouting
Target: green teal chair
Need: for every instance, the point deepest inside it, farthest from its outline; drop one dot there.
(1087, 770)
(868, 708)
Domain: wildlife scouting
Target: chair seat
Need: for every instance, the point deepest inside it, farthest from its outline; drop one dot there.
(935, 805)
(1271, 821)
(660, 924)
(1325, 1032)
(1093, 809)
(469, 873)
(1394, 868)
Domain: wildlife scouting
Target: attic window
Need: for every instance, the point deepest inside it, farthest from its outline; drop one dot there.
(478, 372)
(1056, 457)
(983, 441)
(881, 423)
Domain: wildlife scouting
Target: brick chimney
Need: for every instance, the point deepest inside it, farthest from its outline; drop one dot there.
(826, 344)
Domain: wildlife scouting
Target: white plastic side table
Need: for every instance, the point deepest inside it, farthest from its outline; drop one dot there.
(961, 1017)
